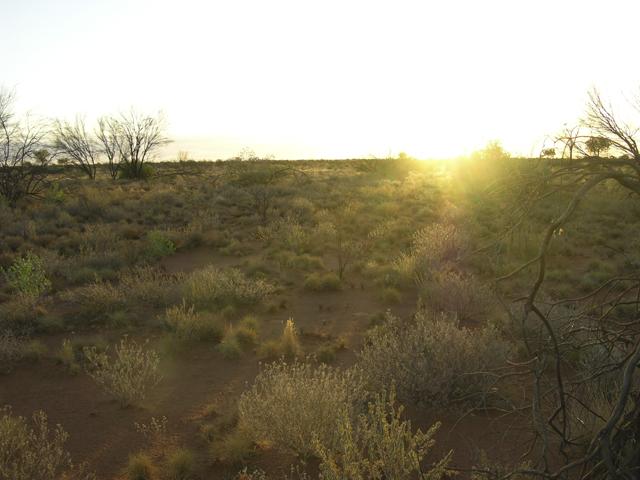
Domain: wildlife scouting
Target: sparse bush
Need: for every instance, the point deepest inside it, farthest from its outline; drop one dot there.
(158, 245)
(229, 347)
(291, 405)
(235, 447)
(379, 444)
(432, 360)
(327, 282)
(188, 325)
(27, 276)
(289, 343)
(128, 375)
(67, 356)
(29, 452)
(459, 294)
(180, 464)
(432, 247)
(214, 287)
(140, 467)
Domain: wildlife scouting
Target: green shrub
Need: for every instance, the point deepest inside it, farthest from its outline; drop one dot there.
(215, 287)
(229, 347)
(187, 324)
(326, 282)
(291, 405)
(67, 356)
(27, 276)
(158, 245)
(140, 467)
(128, 375)
(235, 447)
(180, 464)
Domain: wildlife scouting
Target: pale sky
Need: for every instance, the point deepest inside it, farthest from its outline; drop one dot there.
(324, 79)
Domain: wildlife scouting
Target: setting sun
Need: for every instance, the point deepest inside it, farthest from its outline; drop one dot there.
(323, 79)
(330, 240)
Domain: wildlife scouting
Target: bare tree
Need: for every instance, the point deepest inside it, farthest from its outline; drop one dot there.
(107, 135)
(74, 141)
(137, 138)
(23, 161)
(575, 434)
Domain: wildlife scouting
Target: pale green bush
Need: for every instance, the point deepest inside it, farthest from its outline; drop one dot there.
(378, 444)
(30, 452)
(27, 276)
(158, 245)
(187, 324)
(127, 375)
(142, 285)
(291, 404)
(432, 360)
(458, 294)
(431, 248)
(213, 286)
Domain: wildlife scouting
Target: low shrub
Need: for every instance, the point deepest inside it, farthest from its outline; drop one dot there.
(188, 325)
(216, 287)
(459, 294)
(235, 447)
(27, 276)
(140, 467)
(180, 464)
(432, 360)
(287, 346)
(128, 375)
(293, 404)
(35, 451)
(158, 245)
(229, 347)
(326, 282)
(379, 444)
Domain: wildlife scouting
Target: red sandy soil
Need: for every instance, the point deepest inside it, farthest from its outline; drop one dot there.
(103, 434)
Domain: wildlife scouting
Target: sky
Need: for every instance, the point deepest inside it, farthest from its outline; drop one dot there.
(324, 79)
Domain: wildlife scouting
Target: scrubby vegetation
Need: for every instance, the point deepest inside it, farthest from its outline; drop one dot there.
(294, 309)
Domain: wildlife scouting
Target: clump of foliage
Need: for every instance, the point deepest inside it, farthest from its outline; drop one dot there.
(432, 360)
(187, 324)
(379, 444)
(287, 346)
(431, 248)
(128, 375)
(158, 245)
(180, 464)
(462, 295)
(323, 282)
(229, 347)
(140, 467)
(27, 276)
(293, 404)
(35, 451)
(216, 287)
